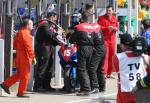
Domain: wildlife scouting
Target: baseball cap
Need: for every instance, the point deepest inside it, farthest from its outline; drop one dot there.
(125, 39)
(51, 13)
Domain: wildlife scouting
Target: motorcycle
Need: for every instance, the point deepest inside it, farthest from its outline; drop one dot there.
(68, 61)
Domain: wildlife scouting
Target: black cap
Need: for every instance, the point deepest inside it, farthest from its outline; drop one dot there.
(146, 23)
(125, 39)
(52, 13)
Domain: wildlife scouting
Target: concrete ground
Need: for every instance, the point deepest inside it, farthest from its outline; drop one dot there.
(60, 97)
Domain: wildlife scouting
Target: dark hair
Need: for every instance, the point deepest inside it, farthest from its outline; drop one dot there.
(53, 13)
(147, 7)
(143, 6)
(146, 23)
(25, 22)
(88, 6)
(126, 39)
(85, 17)
(110, 6)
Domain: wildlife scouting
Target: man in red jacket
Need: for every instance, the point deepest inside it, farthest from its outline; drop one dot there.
(109, 26)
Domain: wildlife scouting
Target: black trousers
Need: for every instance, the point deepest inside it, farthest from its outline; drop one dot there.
(96, 71)
(43, 70)
(100, 74)
(84, 54)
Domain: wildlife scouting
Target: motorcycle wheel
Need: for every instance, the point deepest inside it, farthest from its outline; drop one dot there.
(69, 82)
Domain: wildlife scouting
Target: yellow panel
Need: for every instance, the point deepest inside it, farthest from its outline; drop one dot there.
(35, 2)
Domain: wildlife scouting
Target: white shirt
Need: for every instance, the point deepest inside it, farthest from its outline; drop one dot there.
(131, 70)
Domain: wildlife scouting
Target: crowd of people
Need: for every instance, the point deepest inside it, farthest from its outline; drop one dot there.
(96, 46)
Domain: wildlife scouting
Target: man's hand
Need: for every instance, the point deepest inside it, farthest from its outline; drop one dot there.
(69, 32)
(60, 31)
(115, 29)
(34, 61)
(110, 27)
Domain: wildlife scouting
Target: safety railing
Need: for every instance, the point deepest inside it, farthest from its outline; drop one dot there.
(1, 62)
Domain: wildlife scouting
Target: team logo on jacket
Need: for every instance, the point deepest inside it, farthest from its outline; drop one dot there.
(99, 35)
(89, 35)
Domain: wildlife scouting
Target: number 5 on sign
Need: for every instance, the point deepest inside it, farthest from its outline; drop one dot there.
(137, 76)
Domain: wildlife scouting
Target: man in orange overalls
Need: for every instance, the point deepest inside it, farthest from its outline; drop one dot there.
(109, 26)
(25, 56)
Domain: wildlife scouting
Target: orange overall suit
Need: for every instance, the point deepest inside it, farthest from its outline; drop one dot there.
(110, 40)
(25, 55)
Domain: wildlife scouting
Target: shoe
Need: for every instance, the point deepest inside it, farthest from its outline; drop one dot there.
(50, 89)
(38, 90)
(22, 96)
(94, 91)
(83, 93)
(68, 91)
(63, 89)
(71, 91)
(5, 88)
(102, 90)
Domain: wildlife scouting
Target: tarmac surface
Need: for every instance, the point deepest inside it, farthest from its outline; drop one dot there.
(109, 96)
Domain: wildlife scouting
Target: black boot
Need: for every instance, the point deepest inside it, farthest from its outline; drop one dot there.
(94, 91)
(5, 88)
(83, 93)
(22, 96)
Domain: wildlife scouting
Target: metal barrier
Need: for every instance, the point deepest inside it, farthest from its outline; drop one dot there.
(31, 81)
(1, 63)
(57, 68)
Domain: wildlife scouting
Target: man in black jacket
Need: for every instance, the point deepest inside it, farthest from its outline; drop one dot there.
(87, 36)
(97, 78)
(45, 39)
